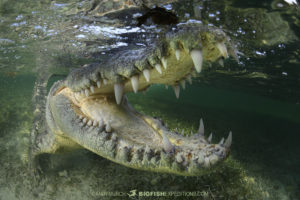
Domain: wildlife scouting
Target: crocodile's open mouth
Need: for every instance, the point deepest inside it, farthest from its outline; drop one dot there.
(90, 107)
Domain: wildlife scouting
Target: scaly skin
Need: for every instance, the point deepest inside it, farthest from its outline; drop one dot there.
(89, 108)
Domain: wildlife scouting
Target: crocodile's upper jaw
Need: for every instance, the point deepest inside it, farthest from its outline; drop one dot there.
(84, 108)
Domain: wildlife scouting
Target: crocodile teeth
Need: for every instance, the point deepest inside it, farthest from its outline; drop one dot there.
(80, 116)
(82, 92)
(92, 89)
(98, 84)
(201, 128)
(222, 48)
(158, 68)
(100, 125)
(197, 59)
(164, 62)
(108, 127)
(104, 81)
(177, 54)
(146, 73)
(221, 142)
(176, 90)
(84, 120)
(168, 146)
(89, 123)
(86, 92)
(189, 79)
(210, 138)
(221, 62)
(94, 123)
(182, 83)
(228, 140)
(118, 87)
(135, 83)
(182, 132)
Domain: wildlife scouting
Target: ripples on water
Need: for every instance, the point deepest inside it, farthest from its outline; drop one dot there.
(257, 98)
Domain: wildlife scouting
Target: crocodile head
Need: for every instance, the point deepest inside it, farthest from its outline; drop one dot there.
(90, 109)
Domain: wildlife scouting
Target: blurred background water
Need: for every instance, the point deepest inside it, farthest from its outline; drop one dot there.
(257, 98)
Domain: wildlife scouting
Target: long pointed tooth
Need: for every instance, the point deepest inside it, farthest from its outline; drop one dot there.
(104, 81)
(182, 83)
(189, 79)
(164, 62)
(228, 140)
(146, 73)
(177, 54)
(222, 48)
(182, 132)
(89, 123)
(210, 138)
(168, 146)
(201, 127)
(221, 62)
(118, 87)
(135, 83)
(84, 120)
(98, 84)
(158, 68)
(82, 92)
(176, 90)
(221, 142)
(108, 127)
(197, 59)
(86, 92)
(92, 89)
(94, 123)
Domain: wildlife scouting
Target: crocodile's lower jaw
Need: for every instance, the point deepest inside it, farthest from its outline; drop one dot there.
(131, 139)
(90, 108)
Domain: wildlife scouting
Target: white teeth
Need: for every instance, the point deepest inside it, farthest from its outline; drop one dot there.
(182, 132)
(168, 147)
(189, 79)
(108, 127)
(90, 123)
(98, 84)
(105, 81)
(182, 83)
(221, 62)
(82, 92)
(80, 117)
(177, 54)
(86, 92)
(146, 73)
(84, 120)
(228, 140)
(158, 68)
(222, 48)
(221, 142)
(135, 83)
(95, 123)
(100, 125)
(201, 128)
(197, 59)
(176, 90)
(92, 89)
(210, 138)
(164, 62)
(119, 87)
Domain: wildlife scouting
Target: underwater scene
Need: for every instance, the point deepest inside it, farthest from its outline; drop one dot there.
(161, 99)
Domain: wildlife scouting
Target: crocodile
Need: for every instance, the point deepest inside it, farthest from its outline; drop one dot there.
(89, 108)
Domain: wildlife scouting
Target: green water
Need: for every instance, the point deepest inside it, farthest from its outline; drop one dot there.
(257, 99)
